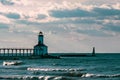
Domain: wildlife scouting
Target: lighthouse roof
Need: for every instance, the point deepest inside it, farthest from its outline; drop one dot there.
(40, 33)
(40, 45)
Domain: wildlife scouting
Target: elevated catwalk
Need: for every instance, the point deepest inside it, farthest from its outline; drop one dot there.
(22, 53)
(16, 52)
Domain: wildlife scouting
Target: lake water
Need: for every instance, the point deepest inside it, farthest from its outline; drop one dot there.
(100, 67)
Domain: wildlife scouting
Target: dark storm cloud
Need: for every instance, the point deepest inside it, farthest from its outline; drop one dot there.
(6, 2)
(71, 13)
(96, 12)
(106, 12)
(13, 15)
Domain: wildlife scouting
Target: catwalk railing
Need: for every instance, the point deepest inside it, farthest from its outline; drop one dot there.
(16, 51)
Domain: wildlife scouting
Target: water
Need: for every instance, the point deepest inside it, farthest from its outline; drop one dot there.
(100, 67)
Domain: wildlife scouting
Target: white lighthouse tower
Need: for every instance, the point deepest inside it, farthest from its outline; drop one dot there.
(40, 49)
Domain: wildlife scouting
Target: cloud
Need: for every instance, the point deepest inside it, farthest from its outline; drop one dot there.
(97, 33)
(100, 2)
(4, 19)
(79, 12)
(27, 22)
(41, 16)
(13, 15)
(4, 26)
(112, 27)
(106, 11)
(7, 2)
(71, 13)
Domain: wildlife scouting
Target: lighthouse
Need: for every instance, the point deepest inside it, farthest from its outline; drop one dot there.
(93, 52)
(40, 49)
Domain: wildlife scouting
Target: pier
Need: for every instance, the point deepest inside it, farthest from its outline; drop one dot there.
(16, 51)
(22, 53)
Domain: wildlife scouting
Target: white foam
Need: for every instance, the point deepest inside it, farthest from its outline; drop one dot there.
(41, 77)
(108, 76)
(40, 69)
(87, 75)
(48, 77)
(5, 63)
(100, 75)
(58, 78)
(28, 77)
(51, 69)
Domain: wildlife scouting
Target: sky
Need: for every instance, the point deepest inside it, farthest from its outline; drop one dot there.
(68, 25)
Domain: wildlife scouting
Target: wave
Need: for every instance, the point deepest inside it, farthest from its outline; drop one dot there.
(28, 77)
(69, 73)
(35, 78)
(56, 72)
(57, 69)
(57, 77)
(101, 76)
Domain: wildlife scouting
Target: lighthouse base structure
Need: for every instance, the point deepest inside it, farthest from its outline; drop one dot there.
(40, 49)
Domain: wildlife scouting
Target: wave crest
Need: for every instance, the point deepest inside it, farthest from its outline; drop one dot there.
(65, 77)
(100, 75)
(51, 69)
(34, 78)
